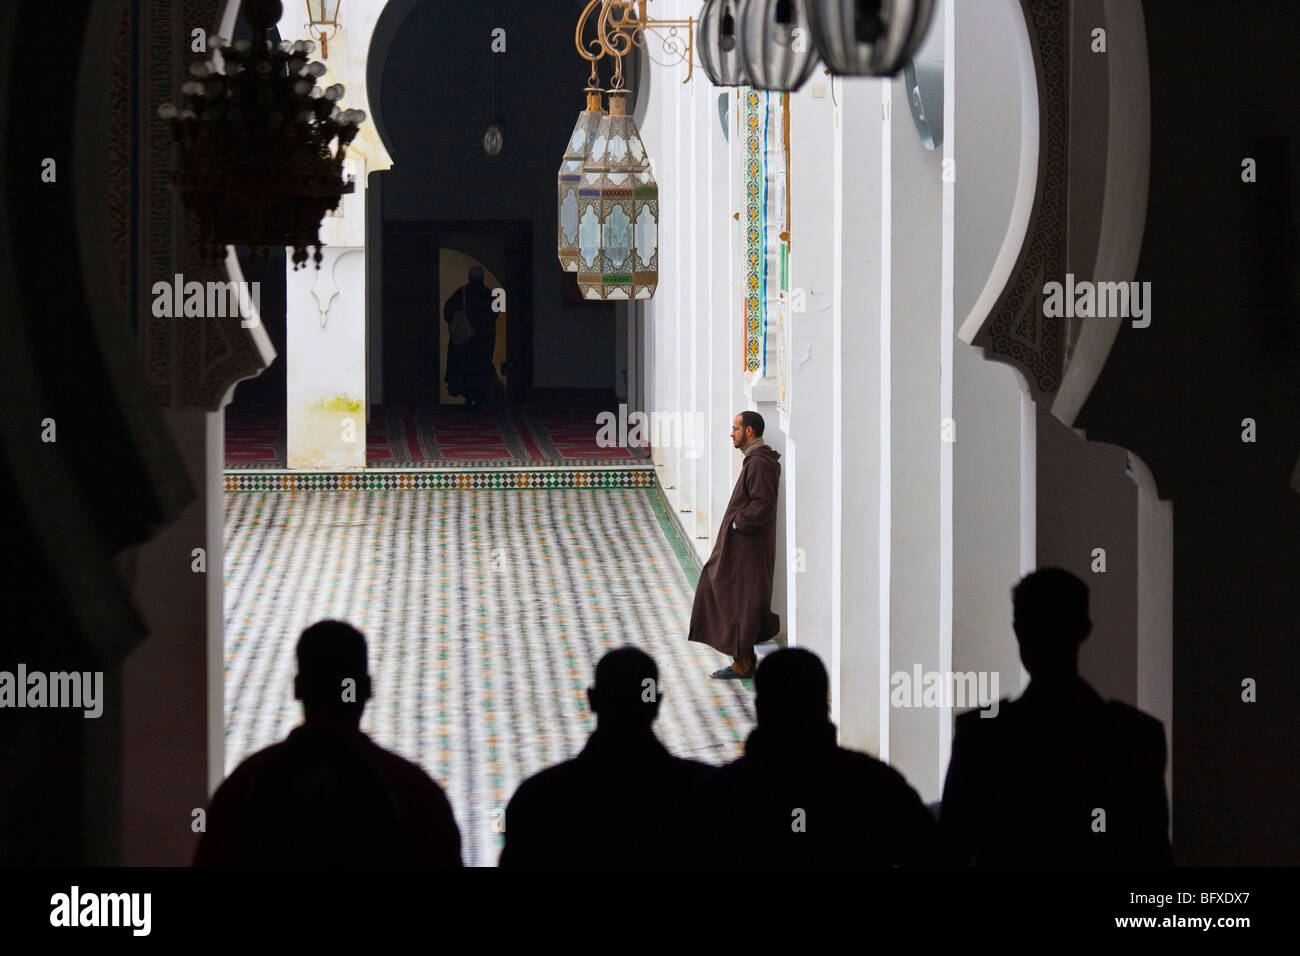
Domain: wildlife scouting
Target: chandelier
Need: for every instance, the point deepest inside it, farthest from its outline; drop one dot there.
(261, 146)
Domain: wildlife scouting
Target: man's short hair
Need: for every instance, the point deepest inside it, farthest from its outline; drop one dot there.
(330, 652)
(1051, 599)
(752, 420)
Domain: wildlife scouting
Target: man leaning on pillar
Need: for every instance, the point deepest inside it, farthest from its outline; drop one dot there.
(733, 601)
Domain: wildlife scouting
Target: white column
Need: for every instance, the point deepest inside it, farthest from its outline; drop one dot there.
(860, 474)
(326, 309)
(809, 479)
(707, 136)
(723, 308)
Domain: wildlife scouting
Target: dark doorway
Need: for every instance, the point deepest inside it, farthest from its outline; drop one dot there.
(412, 300)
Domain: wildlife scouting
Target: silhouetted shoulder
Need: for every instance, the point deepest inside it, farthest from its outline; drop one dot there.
(243, 776)
(401, 771)
(1139, 728)
(974, 722)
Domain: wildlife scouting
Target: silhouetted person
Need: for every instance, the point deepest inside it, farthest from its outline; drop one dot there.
(621, 800)
(469, 360)
(327, 795)
(796, 798)
(1059, 776)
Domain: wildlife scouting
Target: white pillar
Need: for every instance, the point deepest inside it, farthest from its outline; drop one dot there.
(326, 341)
(809, 480)
(860, 473)
(920, 615)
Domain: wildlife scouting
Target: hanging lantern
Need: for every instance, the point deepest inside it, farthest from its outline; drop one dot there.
(719, 47)
(570, 178)
(323, 22)
(868, 37)
(618, 212)
(776, 43)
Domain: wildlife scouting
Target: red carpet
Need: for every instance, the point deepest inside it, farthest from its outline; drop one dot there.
(407, 436)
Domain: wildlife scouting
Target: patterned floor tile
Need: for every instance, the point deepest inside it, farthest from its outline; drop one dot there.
(485, 612)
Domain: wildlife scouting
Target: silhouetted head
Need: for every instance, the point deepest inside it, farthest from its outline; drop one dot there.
(333, 682)
(745, 427)
(792, 694)
(1050, 618)
(626, 693)
(476, 275)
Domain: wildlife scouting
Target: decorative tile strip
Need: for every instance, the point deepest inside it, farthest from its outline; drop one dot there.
(439, 480)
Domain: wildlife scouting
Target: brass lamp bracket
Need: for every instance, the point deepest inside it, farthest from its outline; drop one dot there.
(623, 25)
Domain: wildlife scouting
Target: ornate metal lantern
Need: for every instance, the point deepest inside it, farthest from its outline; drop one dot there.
(323, 22)
(776, 43)
(618, 211)
(570, 178)
(718, 45)
(261, 147)
(868, 37)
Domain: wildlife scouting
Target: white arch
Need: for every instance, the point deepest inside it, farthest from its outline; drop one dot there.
(1021, 156)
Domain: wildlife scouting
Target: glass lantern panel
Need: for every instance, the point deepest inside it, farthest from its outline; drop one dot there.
(569, 216)
(617, 148)
(618, 237)
(647, 236)
(589, 237)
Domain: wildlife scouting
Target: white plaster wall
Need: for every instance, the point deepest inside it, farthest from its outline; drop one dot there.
(988, 493)
(993, 457)
(326, 309)
(327, 363)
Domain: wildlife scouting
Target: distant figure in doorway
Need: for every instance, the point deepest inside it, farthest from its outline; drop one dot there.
(471, 342)
(1059, 777)
(620, 801)
(733, 601)
(796, 798)
(326, 796)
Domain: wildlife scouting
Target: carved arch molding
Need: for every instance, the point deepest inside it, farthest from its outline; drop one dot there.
(189, 363)
(1016, 331)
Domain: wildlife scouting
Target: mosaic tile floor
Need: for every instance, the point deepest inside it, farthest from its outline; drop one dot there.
(485, 612)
